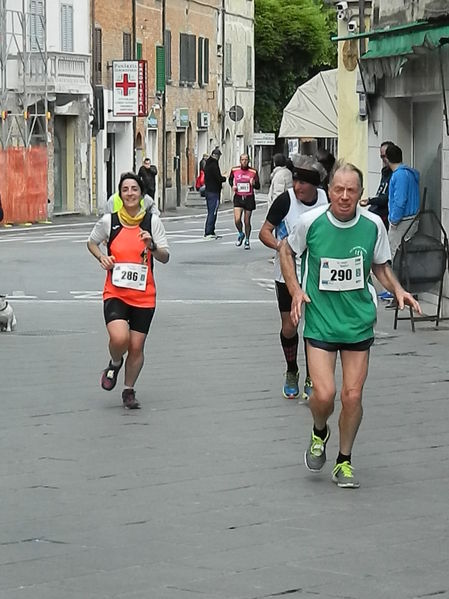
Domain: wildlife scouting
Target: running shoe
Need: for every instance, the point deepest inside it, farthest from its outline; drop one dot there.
(308, 388)
(392, 305)
(315, 454)
(210, 237)
(129, 399)
(290, 390)
(240, 238)
(385, 296)
(246, 246)
(109, 376)
(343, 475)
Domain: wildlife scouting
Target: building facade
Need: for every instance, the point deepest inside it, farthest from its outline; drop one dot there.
(406, 73)
(46, 89)
(199, 58)
(237, 81)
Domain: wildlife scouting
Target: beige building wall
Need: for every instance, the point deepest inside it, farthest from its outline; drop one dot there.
(352, 129)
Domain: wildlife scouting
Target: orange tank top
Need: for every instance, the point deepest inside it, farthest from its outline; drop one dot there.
(128, 247)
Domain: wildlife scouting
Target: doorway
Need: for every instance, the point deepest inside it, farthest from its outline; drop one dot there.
(178, 164)
(110, 164)
(427, 144)
(60, 165)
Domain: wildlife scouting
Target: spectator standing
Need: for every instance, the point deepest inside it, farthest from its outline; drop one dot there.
(403, 198)
(281, 178)
(148, 173)
(379, 203)
(327, 161)
(213, 180)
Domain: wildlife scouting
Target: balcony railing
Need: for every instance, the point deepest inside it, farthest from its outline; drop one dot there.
(66, 73)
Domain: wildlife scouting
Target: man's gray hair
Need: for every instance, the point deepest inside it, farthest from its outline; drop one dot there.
(342, 165)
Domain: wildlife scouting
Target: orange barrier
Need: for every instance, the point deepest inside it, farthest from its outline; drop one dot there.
(23, 184)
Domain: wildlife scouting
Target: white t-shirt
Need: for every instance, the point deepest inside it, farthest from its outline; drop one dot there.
(102, 228)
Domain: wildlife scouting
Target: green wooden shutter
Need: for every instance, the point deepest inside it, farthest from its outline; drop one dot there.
(160, 68)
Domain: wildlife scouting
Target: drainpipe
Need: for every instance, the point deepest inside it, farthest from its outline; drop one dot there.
(362, 40)
(223, 67)
(133, 56)
(163, 169)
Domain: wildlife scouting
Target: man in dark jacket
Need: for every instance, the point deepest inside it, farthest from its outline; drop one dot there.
(379, 203)
(213, 180)
(147, 173)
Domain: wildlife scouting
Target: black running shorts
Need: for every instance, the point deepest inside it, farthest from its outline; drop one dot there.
(284, 297)
(360, 346)
(245, 202)
(139, 319)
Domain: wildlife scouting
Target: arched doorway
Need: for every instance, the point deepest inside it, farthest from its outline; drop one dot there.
(139, 151)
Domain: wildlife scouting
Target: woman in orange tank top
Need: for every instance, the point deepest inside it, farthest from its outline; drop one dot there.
(133, 239)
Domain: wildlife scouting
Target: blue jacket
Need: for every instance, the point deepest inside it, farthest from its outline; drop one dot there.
(403, 194)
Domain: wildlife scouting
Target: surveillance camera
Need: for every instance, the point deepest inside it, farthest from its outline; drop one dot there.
(342, 6)
(352, 26)
(341, 15)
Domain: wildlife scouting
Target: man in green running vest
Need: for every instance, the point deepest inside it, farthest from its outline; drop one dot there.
(340, 245)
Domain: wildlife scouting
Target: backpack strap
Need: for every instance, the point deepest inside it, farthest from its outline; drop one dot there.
(146, 223)
(116, 227)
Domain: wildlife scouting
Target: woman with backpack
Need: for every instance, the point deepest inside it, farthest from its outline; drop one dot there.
(134, 238)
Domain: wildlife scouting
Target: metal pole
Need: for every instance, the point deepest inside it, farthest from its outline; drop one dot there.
(164, 116)
(223, 67)
(133, 9)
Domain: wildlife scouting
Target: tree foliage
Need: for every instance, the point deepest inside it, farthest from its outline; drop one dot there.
(292, 43)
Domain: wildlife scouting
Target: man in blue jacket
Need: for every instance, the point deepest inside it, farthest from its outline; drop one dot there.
(403, 198)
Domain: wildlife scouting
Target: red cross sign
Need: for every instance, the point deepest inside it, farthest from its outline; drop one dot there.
(129, 88)
(125, 84)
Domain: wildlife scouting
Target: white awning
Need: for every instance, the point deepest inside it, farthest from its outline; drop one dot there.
(312, 111)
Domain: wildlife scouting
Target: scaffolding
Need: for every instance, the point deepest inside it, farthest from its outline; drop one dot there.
(23, 73)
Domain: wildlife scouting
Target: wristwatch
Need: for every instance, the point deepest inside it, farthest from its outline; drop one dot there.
(152, 247)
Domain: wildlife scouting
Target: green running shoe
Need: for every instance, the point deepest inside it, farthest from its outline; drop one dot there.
(315, 454)
(343, 475)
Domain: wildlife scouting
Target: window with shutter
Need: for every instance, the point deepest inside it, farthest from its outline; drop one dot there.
(66, 28)
(228, 62)
(160, 69)
(127, 52)
(187, 58)
(206, 60)
(249, 66)
(167, 46)
(203, 61)
(97, 58)
(36, 25)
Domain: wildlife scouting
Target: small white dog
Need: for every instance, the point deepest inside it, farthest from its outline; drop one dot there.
(8, 321)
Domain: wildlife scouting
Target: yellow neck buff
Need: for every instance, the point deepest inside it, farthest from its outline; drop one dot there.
(127, 219)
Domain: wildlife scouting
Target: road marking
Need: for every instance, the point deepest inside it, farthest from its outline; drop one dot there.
(267, 284)
(86, 294)
(188, 302)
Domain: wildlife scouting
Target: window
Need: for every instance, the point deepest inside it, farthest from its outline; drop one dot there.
(228, 62)
(37, 37)
(249, 66)
(66, 27)
(97, 57)
(187, 58)
(167, 46)
(127, 53)
(203, 61)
